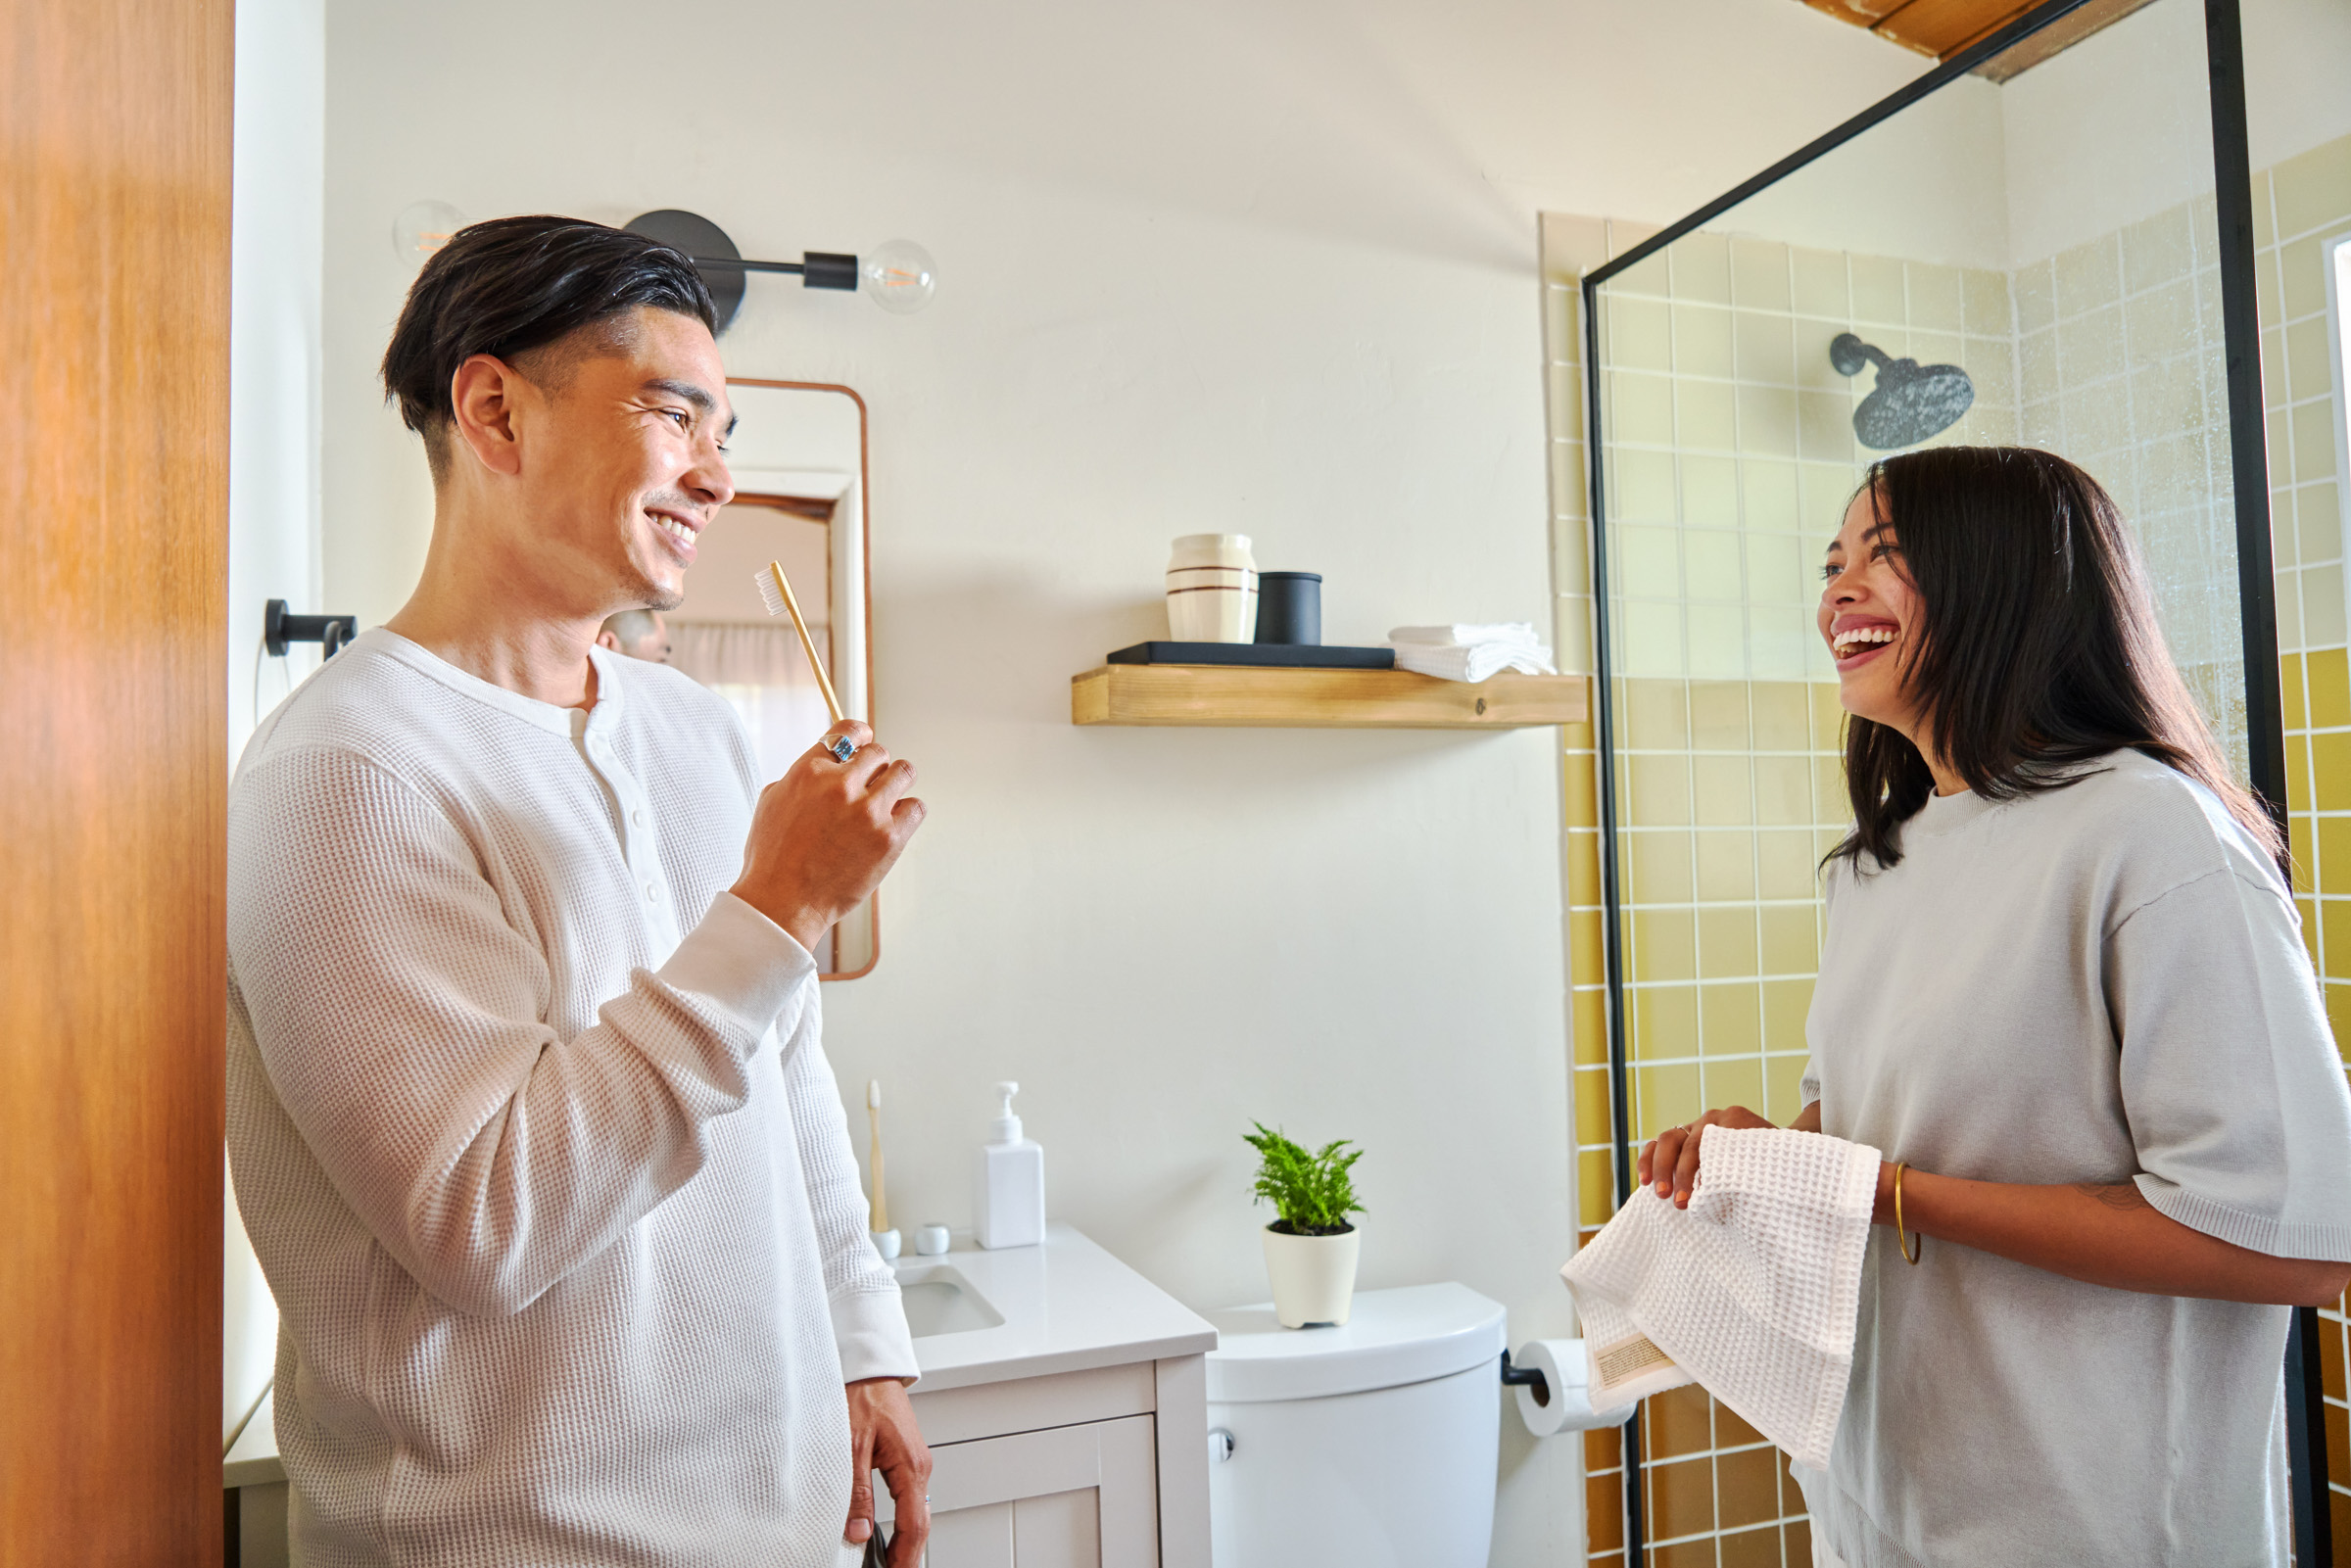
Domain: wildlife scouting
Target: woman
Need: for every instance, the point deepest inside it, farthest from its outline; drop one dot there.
(2063, 989)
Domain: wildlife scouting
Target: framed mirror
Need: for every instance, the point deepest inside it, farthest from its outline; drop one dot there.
(798, 457)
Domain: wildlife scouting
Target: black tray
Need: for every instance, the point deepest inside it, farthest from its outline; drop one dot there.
(1262, 655)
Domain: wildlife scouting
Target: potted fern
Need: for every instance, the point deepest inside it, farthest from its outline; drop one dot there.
(1311, 1246)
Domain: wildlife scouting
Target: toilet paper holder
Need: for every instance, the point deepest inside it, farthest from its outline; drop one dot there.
(1529, 1377)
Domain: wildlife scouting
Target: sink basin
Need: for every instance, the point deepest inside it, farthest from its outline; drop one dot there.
(941, 1301)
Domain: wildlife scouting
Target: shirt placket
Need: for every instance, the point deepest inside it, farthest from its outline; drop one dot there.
(639, 842)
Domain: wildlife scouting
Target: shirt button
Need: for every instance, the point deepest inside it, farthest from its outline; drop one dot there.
(638, 817)
(653, 892)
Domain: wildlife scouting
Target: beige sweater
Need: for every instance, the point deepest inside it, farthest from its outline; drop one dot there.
(534, 1135)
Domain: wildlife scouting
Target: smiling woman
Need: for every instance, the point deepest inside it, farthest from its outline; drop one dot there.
(2063, 990)
(1989, 604)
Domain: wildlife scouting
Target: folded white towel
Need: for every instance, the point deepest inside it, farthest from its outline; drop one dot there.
(1470, 652)
(1752, 1292)
(1518, 632)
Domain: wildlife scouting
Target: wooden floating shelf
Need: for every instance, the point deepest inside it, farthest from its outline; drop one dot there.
(1226, 695)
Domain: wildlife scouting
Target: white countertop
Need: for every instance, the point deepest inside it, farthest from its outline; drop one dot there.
(1068, 1306)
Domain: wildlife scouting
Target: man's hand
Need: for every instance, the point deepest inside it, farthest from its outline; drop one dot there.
(884, 1436)
(825, 834)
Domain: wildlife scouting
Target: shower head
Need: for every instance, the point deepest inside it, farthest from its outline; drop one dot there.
(1911, 402)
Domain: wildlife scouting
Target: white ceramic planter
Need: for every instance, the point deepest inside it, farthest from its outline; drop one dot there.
(1211, 588)
(1314, 1276)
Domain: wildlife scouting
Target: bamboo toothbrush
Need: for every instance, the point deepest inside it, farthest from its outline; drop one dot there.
(775, 592)
(880, 1221)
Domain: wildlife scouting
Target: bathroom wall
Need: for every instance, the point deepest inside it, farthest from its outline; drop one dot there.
(276, 363)
(2121, 363)
(2298, 206)
(276, 356)
(1203, 266)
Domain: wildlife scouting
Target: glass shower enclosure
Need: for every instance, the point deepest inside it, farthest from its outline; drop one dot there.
(2021, 248)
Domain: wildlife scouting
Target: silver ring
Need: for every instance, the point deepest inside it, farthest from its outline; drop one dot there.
(841, 749)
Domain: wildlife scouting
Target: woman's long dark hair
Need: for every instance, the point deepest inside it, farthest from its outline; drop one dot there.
(2034, 648)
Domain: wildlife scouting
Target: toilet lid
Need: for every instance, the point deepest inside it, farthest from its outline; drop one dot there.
(1391, 1337)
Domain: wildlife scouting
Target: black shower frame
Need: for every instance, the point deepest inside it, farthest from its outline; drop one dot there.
(2257, 605)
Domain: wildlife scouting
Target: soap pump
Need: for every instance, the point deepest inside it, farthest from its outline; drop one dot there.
(1012, 1182)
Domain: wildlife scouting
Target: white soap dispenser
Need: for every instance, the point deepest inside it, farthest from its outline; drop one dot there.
(1011, 1199)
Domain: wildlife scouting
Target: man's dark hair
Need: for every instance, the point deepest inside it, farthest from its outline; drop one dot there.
(2036, 648)
(513, 285)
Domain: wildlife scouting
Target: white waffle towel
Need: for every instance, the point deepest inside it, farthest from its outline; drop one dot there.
(1752, 1292)
(1471, 653)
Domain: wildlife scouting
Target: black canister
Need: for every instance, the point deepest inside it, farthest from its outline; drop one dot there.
(1289, 608)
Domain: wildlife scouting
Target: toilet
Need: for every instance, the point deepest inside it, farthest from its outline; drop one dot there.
(1373, 1445)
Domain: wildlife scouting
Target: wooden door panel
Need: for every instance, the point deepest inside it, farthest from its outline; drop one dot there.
(114, 430)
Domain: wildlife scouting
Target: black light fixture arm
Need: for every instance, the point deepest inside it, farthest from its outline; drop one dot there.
(280, 629)
(817, 269)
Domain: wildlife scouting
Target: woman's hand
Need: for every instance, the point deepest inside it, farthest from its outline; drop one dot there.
(1669, 1163)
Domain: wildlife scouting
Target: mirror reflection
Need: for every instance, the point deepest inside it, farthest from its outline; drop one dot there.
(798, 455)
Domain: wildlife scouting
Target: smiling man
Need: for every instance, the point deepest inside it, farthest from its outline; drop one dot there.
(532, 1127)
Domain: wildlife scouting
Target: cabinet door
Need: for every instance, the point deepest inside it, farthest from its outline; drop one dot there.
(1072, 1497)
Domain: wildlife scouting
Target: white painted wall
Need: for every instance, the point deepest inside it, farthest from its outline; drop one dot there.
(1206, 265)
(275, 370)
(1927, 185)
(2115, 129)
(2297, 59)
(2111, 131)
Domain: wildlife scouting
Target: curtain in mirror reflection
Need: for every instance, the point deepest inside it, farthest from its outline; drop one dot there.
(762, 674)
(764, 677)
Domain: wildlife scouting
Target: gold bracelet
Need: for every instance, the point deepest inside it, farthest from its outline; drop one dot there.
(1901, 1236)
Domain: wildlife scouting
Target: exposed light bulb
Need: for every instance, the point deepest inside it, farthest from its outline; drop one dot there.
(421, 229)
(899, 276)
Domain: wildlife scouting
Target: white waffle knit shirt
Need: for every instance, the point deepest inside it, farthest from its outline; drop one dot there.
(533, 1132)
(1752, 1291)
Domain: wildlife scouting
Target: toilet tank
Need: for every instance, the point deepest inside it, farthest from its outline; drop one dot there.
(1373, 1445)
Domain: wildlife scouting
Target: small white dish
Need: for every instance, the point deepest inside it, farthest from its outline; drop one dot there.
(931, 1239)
(886, 1242)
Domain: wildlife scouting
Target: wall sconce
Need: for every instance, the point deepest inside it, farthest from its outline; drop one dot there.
(421, 229)
(899, 276)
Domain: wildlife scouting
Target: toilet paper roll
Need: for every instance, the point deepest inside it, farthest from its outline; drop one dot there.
(1567, 1377)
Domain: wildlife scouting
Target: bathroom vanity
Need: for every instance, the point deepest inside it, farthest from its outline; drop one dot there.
(1064, 1396)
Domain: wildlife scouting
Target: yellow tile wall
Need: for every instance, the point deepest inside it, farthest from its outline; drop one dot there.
(1730, 434)
(2121, 366)
(2298, 208)
(1721, 789)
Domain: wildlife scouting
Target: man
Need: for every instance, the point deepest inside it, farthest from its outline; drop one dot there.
(531, 1125)
(638, 634)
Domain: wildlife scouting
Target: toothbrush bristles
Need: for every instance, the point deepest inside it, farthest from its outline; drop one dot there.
(771, 594)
